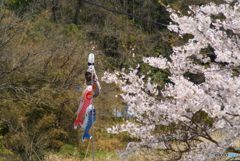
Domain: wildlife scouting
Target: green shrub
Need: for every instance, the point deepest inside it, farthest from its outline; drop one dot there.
(15, 4)
(69, 150)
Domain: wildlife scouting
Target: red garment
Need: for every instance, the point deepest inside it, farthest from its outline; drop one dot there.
(84, 103)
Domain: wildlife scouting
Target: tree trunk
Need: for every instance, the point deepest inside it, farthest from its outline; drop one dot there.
(76, 17)
(54, 9)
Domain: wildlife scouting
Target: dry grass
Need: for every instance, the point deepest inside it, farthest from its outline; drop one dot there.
(55, 157)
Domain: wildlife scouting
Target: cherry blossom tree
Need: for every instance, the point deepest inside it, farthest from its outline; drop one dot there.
(192, 110)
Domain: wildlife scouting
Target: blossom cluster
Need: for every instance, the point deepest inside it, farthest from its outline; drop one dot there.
(218, 95)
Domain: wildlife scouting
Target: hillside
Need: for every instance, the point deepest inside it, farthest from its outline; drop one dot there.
(43, 57)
